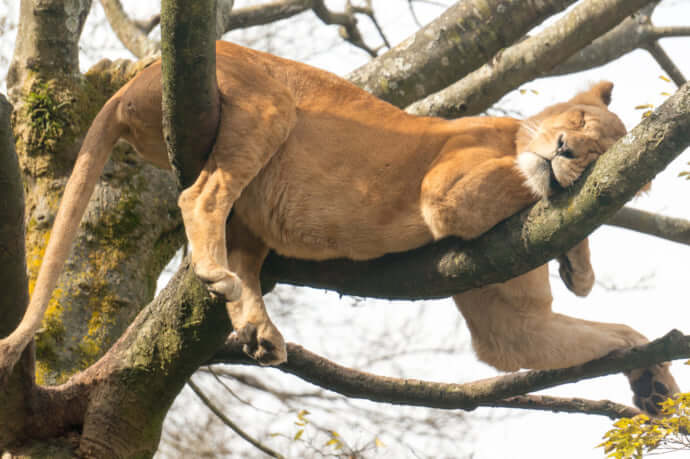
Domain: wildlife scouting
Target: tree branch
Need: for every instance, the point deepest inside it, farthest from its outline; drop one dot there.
(411, 70)
(528, 59)
(349, 30)
(267, 13)
(666, 63)
(631, 34)
(522, 242)
(129, 32)
(47, 39)
(499, 391)
(669, 228)
(191, 100)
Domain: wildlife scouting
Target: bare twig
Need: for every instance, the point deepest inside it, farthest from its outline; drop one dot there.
(231, 424)
(133, 35)
(349, 30)
(368, 11)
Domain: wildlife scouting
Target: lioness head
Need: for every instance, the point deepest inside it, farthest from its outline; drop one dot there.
(556, 145)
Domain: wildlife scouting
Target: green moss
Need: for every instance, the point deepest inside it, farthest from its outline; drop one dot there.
(47, 117)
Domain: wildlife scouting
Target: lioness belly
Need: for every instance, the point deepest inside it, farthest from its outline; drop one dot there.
(303, 212)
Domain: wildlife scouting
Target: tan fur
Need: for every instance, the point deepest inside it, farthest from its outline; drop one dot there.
(316, 168)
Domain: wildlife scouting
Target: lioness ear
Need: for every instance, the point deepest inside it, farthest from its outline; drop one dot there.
(598, 94)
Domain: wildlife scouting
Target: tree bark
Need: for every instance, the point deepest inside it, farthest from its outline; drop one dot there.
(463, 38)
(47, 39)
(191, 101)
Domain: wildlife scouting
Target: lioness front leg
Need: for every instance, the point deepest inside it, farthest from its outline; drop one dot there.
(260, 338)
(467, 204)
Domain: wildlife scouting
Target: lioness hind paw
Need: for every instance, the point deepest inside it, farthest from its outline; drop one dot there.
(652, 386)
(267, 350)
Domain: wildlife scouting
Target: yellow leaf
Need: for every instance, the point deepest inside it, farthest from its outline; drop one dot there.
(665, 94)
(665, 78)
(379, 443)
(647, 113)
(334, 434)
(643, 106)
(298, 434)
(523, 91)
(332, 441)
(534, 91)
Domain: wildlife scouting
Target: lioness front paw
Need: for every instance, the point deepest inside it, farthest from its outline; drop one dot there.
(264, 344)
(221, 283)
(579, 280)
(652, 386)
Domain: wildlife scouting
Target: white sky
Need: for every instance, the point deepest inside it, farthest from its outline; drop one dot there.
(620, 258)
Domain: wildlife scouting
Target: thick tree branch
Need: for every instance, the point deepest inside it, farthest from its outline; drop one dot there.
(129, 32)
(47, 39)
(631, 34)
(520, 243)
(411, 70)
(528, 59)
(191, 101)
(499, 391)
(669, 228)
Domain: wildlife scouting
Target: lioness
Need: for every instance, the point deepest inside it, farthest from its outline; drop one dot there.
(317, 168)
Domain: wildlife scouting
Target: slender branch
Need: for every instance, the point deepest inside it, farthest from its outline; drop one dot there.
(672, 229)
(128, 31)
(147, 25)
(257, 444)
(528, 59)
(670, 31)
(265, 14)
(666, 63)
(498, 391)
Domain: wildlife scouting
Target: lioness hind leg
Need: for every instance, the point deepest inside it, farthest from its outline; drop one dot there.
(513, 327)
(652, 386)
(250, 132)
(205, 208)
(260, 338)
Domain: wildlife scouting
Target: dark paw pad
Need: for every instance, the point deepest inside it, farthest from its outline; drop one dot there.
(650, 391)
